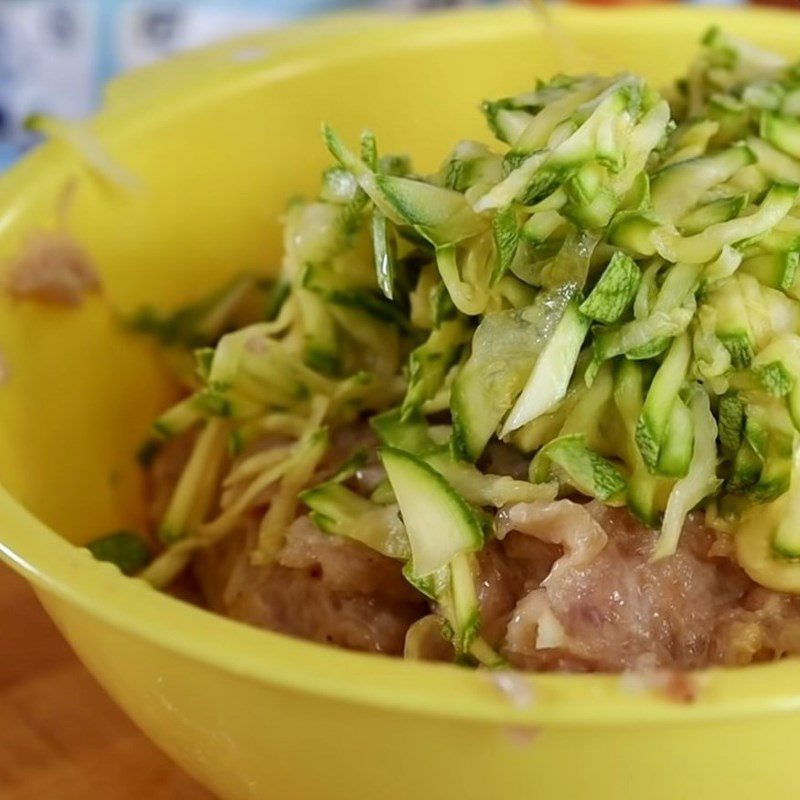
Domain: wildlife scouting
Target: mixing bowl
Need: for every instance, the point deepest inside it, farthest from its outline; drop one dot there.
(218, 141)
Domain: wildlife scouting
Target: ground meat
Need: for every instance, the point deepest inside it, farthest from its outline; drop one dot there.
(564, 586)
(52, 268)
(618, 610)
(323, 588)
(509, 570)
(765, 626)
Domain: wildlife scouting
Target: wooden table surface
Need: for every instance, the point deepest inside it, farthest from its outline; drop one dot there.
(61, 737)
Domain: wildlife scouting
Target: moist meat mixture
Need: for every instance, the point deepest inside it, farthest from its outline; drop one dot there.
(565, 586)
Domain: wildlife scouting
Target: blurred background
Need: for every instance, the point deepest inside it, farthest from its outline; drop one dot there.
(55, 55)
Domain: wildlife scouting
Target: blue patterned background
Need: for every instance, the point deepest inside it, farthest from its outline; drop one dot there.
(55, 55)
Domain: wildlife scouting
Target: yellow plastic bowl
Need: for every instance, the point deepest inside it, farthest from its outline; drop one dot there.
(219, 141)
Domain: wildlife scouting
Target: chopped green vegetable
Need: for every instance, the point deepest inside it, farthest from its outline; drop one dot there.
(340, 511)
(548, 381)
(439, 523)
(677, 188)
(429, 363)
(126, 549)
(776, 270)
(403, 431)
(731, 423)
(482, 489)
(643, 488)
(782, 132)
(581, 468)
(700, 481)
(504, 348)
(651, 430)
(614, 292)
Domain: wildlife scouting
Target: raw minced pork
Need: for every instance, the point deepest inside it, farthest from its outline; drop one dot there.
(564, 586)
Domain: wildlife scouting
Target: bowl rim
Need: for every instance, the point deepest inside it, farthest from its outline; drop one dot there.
(61, 570)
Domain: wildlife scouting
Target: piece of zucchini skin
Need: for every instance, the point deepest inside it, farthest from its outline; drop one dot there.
(653, 423)
(126, 549)
(614, 291)
(440, 524)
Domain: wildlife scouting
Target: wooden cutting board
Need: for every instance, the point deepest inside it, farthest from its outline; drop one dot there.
(61, 737)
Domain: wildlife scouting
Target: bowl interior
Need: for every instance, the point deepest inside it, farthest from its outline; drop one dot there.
(217, 149)
(218, 142)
